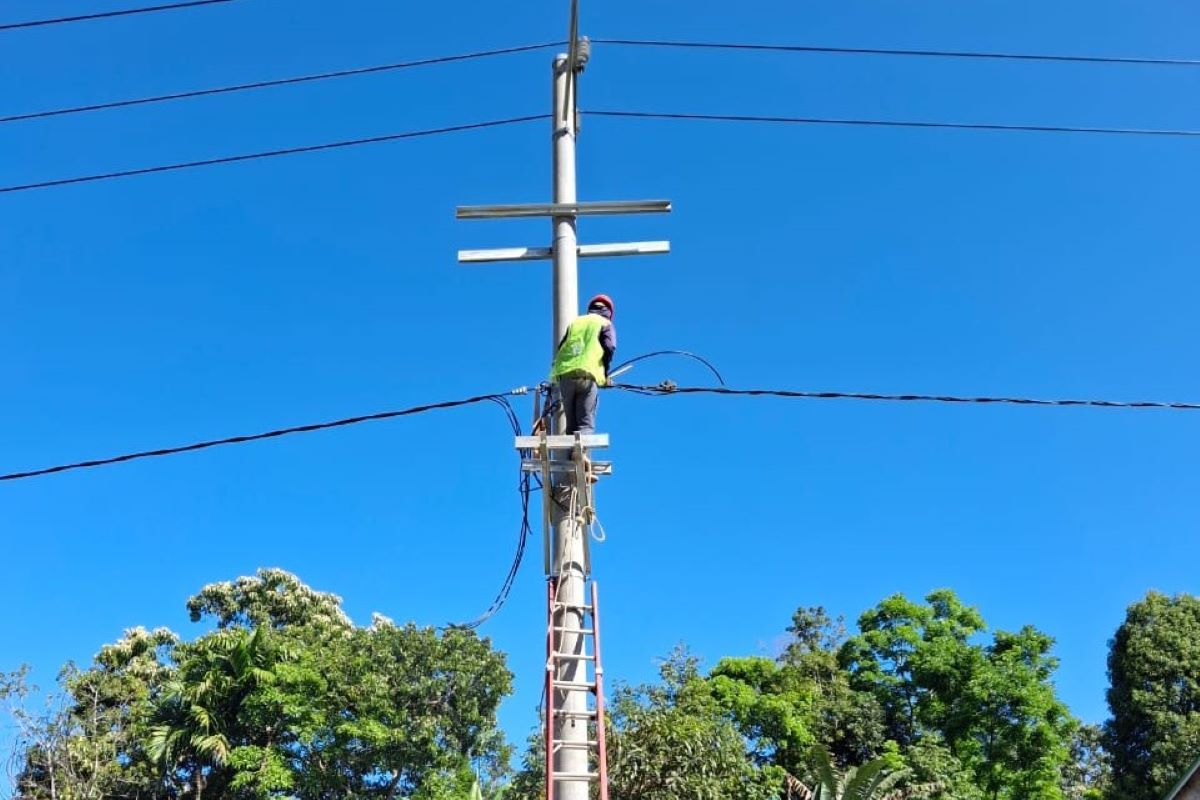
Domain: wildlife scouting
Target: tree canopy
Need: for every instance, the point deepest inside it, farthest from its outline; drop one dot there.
(285, 698)
(1154, 696)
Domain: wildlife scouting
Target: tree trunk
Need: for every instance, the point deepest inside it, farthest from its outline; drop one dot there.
(393, 786)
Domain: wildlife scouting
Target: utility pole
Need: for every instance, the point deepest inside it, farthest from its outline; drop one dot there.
(571, 757)
(559, 459)
(564, 118)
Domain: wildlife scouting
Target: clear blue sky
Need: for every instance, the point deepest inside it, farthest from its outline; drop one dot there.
(158, 310)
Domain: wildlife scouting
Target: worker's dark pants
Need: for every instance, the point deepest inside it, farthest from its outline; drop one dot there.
(580, 396)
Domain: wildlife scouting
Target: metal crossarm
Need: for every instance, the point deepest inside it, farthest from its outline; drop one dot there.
(592, 209)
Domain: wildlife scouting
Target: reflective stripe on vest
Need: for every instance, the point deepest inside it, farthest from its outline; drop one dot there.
(581, 350)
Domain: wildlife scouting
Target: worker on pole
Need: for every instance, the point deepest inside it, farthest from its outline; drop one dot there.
(582, 362)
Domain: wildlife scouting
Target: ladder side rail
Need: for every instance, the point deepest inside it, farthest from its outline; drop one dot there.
(601, 744)
(550, 702)
(547, 498)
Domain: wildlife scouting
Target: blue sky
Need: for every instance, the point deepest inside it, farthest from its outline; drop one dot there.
(158, 310)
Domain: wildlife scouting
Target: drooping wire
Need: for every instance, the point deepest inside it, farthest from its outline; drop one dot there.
(391, 137)
(243, 87)
(524, 491)
(127, 12)
(273, 434)
(891, 123)
(668, 388)
(626, 365)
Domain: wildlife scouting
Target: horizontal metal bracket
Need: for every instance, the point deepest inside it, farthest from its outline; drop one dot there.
(535, 466)
(562, 442)
(545, 253)
(596, 208)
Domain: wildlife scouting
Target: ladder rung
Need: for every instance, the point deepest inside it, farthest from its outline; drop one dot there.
(582, 606)
(559, 744)
(570, 657)
(571, 685)
(580, 631)
(575, 776)
(576, 714)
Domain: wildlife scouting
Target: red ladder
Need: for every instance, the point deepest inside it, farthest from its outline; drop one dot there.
(557, 689)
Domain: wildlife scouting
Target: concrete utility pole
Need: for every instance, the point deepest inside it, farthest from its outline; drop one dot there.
(569, 728)
(565, 300)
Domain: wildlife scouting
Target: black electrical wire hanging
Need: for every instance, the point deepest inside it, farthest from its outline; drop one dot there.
(627, 365)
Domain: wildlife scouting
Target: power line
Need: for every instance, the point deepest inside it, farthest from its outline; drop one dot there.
(322, 76)
(879, 51)
(255, 437)
(37, 23)
(242, 87)
(891, 123)
(628, 365)
(668, 388)
(391, 137)
(660, 390)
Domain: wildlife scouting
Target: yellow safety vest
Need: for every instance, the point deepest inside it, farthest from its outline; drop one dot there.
(581, 350)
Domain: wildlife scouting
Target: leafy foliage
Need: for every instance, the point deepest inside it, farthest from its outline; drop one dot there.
(1154, 696)
(993, 706)
(874, 780)
(670, 741)
(286, 698)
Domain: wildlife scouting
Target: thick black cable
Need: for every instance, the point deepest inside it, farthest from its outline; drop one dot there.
(242, 87)
(659, 353)
(668, 388)
(889, 123)
(391, 137)
(37, 23)
(254, 437)
(880, 51)
(524, 491)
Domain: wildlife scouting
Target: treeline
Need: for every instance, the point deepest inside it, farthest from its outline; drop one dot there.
(286, 698)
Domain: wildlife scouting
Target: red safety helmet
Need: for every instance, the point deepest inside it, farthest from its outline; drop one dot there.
(603, 299)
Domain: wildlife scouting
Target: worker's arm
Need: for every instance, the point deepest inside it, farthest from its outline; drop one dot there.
(608, 342)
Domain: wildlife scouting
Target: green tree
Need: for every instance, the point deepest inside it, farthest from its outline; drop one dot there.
(992, 706)
(785, 706)
(89, 739)
(217, 728)
(1153, 734)
(286, 698)
(671, 740)
(1088, 775)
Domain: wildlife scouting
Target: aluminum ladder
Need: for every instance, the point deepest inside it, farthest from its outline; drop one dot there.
(576, 665)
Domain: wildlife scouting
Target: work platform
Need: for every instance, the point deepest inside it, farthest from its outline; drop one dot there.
(543, 448)
(568, 477)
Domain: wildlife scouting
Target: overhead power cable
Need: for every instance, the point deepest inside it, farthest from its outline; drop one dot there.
(288, 151)
(127, 12)
(243, 87)
(624, 367)
(669, 388)
(889, 123)
(881, 51)
(719, 46)
(256, 437)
